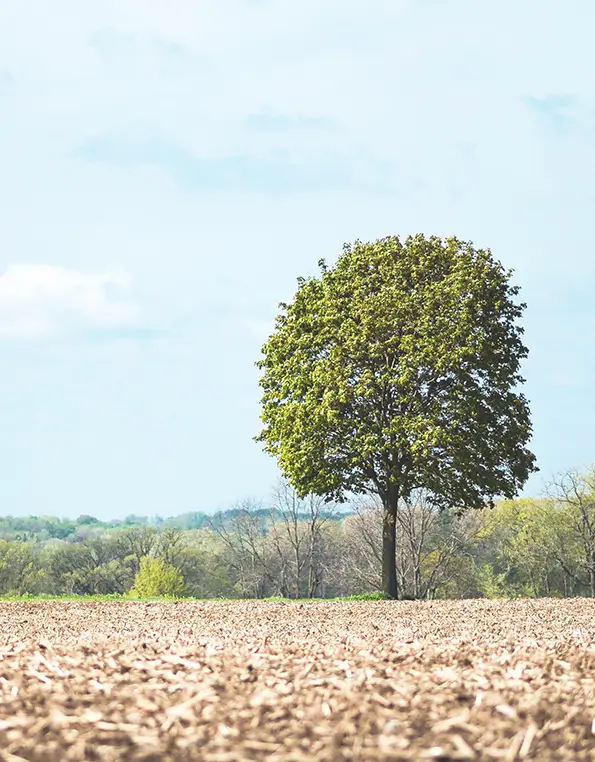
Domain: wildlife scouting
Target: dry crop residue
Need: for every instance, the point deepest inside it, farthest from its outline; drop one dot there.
(290, 682)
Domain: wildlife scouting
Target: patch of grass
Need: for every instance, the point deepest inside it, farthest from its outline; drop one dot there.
(361, 597)
(27, 597)
(72, 597)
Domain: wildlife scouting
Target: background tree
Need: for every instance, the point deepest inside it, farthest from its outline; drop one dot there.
(203, 566)
(522, 539)
(573, 494)
(156, 578)
(296, 530)
(20, 570)
(170, 546)
(88, 568)
(398, 369)
(358, 564)
(247, 551)
(137, 542)
(435, 548)
(431, 541)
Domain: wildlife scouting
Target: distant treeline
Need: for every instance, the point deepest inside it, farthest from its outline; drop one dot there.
(42, 528)
(301, 548)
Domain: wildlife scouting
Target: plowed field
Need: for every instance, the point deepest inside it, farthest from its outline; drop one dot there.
(231, 682)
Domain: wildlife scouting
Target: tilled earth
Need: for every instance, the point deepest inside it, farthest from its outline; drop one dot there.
(231, 682)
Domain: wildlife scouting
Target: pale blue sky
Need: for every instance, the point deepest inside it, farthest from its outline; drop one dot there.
(167, 170)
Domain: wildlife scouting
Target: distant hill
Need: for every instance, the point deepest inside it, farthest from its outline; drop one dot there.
(43, 528)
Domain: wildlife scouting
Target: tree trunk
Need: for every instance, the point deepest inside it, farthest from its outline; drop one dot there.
(389, 546)
(313, 569)
(547, 585)
(417, 582)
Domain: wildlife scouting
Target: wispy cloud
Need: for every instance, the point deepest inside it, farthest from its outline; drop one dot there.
(556, 112)
(279, 172)
(122, 49)
(43, 302)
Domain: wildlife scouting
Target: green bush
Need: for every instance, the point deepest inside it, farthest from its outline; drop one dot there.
(491, 584)
(158, 579)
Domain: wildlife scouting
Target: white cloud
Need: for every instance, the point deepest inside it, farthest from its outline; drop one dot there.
(41, 301)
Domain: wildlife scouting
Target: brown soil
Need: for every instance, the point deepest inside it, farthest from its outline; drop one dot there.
(231, 682)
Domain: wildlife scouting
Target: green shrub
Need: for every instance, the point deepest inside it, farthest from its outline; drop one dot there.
(158, 579)
(491, 584)
(367, 597)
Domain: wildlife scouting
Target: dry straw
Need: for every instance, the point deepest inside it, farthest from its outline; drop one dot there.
(249, 681)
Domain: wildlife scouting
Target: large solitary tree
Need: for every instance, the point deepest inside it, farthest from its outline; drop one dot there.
(397, 369)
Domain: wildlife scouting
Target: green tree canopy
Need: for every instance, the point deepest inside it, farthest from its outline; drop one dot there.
(157, 578)
(398, 369)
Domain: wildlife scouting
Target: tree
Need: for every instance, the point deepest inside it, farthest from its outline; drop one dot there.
(170, 546)
(248, 553)
(88, 568)
(398, 369)
(574, 494)
(431, 543)
(432, 540)
(359, 561)
(86, 520)
(20, 570)
(136, 543)
(297, 524)
(204, 570)
(523, 540)
(156, 579)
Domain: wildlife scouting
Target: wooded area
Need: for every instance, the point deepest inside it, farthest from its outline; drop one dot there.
(300, 548)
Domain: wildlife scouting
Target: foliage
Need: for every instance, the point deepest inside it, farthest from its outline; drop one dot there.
(522, 547)
(377, 596)
(158, 579)
(491, 584)
(398, 369)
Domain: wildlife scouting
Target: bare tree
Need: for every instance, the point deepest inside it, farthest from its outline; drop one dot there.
(432, 539)
(296, 529)
(171, 545)
(574, 494)
(429, 541)
(319, 513)
(136, 543)
(359, 566)
(248, 552)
